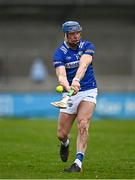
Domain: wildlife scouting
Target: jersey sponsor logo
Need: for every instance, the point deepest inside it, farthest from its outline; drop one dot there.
(72, 64)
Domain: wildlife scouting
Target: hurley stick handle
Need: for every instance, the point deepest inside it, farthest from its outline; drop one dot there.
(71, 92)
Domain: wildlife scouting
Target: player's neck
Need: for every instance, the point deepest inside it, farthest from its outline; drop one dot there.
(72, 46)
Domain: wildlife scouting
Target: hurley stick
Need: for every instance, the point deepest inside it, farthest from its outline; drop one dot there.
(64, 102)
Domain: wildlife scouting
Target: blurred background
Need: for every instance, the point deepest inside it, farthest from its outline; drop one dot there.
(30, 30)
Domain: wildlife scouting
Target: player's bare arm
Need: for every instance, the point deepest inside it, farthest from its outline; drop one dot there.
(62, 78)
(83, 65)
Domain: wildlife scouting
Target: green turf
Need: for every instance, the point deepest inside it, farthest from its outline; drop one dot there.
(30, 149)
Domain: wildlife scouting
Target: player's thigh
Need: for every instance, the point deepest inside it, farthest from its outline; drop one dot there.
(65, 122)
(85, 111)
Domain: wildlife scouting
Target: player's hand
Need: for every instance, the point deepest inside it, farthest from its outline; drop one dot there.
(68, 88)
(75, 86)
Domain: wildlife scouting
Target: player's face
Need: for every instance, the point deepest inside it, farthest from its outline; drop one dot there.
(73, 37)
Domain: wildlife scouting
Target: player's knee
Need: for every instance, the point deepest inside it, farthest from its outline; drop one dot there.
(61, 134)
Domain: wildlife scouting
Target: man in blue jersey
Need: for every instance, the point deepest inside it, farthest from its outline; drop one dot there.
(73, 63)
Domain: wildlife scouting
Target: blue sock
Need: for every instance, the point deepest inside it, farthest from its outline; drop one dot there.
(80, 156)
(79, 159)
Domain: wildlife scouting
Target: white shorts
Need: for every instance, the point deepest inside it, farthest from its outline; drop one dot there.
(88, 95)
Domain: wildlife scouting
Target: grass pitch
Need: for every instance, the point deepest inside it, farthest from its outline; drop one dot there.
(30, 150)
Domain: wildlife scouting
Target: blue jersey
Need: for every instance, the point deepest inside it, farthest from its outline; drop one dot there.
(65, 56)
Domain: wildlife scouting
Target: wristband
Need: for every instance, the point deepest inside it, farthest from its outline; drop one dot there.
(76, 79)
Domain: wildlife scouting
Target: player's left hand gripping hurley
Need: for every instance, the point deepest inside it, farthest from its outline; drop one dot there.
(64, 102)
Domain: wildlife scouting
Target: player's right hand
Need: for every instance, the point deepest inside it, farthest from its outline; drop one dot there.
(75, 86)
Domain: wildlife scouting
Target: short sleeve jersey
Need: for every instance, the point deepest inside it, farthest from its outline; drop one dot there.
(65, 56)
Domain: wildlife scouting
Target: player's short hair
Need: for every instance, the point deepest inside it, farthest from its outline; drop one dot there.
(71, 26)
